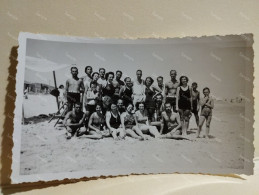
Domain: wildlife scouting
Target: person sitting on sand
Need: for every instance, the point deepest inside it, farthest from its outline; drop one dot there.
(96, 124)
(113, 122)
(130, 123)
(159, 108)
(74, 121)
(143, 122)
(171, 120)
(207, 104)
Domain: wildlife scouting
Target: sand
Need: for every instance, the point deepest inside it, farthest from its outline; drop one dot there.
(44, 149)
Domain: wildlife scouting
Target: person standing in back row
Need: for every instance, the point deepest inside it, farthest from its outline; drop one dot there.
(74, 86)
(171, 88)
(138, 88)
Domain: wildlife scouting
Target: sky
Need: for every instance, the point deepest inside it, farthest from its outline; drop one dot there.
(218, 63)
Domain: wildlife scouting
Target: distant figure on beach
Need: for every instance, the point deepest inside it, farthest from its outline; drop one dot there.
(171, 88)
(207, 104)
(73, 88)
(74, 121)
(195, 102)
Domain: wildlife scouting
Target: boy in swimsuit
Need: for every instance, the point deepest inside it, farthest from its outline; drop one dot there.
(195, 102)
(74, 122)
(74, 86)
(207, 104)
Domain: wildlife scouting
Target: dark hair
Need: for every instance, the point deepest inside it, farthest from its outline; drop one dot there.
(187, 79)
(60, 86)
(173, 71)
(160, 77)
(93, 83)
(139, 71)
(152, 80)
(78, 103)
(73, 67)
(129, 103)
(194, 83)
(94, 74)
(88, 67)
(138, 103)
(101, 69)
(206, 88)
(118, 71)
(159, 94)
(98, 104)
(107, 75)
(126, 79)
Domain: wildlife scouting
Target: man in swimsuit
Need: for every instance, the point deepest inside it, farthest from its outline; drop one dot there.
(170, 89)
(159, 108)
(138, 88)
(74, 121)
(117, 82)
(72, 90)
(161, 86)
(195, 101)
(171, 120)
(102, 81)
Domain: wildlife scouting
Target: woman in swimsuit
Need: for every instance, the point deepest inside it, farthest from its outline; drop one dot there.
(150, 92)
(207, 104)
(130, 123)
(96, 124)
(184, 103)
(143, 122)
(113, 122)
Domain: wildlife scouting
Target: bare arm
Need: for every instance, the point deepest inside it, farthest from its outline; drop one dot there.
(162, 125)
(178, 122)
(141, 119)
(177, 97)
(66, 118)
(108, 117)
(91, 126)
(122, 121)
(82, 86)
(156, 88)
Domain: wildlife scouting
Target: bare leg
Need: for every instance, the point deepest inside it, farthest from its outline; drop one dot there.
(122, 133)
(114, 135)
(93, 135)
(131, 133)
(201, 121)
(208, 127)
(139, 132)
(197, 119)
(153, 131)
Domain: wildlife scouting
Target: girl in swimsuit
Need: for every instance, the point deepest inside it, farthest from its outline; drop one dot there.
(184, 103)
(96, 124)
(144, 123)
(130, 123)
(207, 104)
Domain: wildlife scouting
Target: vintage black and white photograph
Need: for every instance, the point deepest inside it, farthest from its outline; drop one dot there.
(93, 106)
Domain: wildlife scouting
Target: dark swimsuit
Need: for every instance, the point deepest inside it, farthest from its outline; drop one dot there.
(128, 93)
(184, 100)
(115, 122)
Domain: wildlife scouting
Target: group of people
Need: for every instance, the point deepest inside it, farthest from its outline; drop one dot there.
(137, 108)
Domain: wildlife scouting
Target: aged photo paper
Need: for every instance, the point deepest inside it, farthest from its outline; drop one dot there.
(89, 107)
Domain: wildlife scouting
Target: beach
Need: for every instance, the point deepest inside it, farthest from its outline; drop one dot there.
(44, 148)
